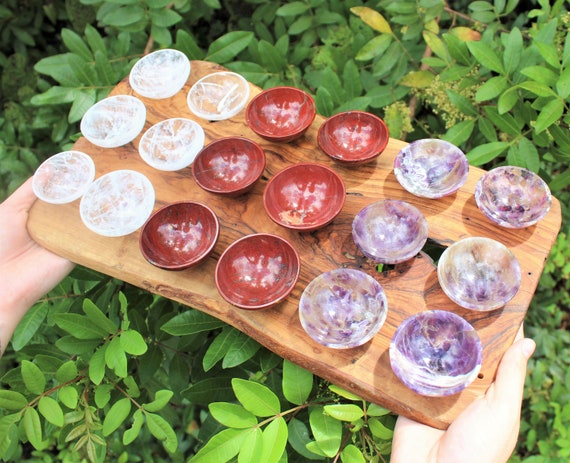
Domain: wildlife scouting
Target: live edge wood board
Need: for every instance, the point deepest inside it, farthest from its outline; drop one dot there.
(410, 287)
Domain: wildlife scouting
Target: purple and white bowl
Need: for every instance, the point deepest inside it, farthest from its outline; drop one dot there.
(431, 168)
(343, 308)
(513, 197)
(479, 273)
(436, 353)
(389, 231)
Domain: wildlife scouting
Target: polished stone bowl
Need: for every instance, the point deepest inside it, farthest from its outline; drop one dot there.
(257, 271)
(179, 235)
(229, 166)
(114, 121)
(343, 308)
(281, 114)
(389, 231)
(218, 96)
(431, 168)
(117, 203)
(160, 74)
(353, 137)
(513, 197)
(63, 177)
(172, 144)
(304, 197)
(479, 273)
(436, 353)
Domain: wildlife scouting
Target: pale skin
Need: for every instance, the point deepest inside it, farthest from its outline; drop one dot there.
(486, 432)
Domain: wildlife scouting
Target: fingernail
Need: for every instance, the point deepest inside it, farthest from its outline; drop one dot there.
(527, 347)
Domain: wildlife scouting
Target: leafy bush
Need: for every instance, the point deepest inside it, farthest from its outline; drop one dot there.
(100, 370)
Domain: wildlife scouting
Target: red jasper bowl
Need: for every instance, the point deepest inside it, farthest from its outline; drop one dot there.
(304, 197)
(281, 114)
(179, 235)
(257, 271)
(353, 137)
(229, 166)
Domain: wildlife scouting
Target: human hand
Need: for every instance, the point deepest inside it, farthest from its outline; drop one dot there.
(486, 431)
(28, 270)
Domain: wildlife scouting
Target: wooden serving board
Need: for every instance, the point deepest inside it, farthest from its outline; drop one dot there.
(410, 287)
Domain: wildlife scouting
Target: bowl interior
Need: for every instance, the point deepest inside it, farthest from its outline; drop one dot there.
(479, 273)
(431, 168)
(343, 308)
(390, 231)
(257, 271)
(513, 197)
(353, 136)
(229, 165)
(304, 196)
(179, 235)
(281, 112)
(436, 353)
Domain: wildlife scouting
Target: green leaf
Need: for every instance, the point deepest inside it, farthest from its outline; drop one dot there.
(252, 447)
(326, 430)
(115, 357)
(292, 9)
(549, 114)
(304, 23)
(12, 400)
(240, 350)
(57, 67)
(541, 74)
(68, 396)
(508, 100)
(161, 399)
(561, 181)
(51, 411)
(218, 348)
(486, 56)
(485, 153)
(124, 16)
(538, 88)
(34, 379)
(513, 51)
(191, 322)
(462, 103)
(417, 79)
(299, 437)
(529, 155)
(79, 326)
(66, 372)
(504, 122)
(273, 60)
(164, 18)
(227, 47)
(373, 48)
(563, 84)
(491, 89)
(460, 133)
(344, 393)
(274, 440)
(118, 413)
(549, 53)
(29, 325)
(75, 44)
(297, 383)
(376, 410)
(133, 432)
(379, 429)
(351, 79)
(8, 432)
(97, 317)
(133, 343)
(232, 415)
(161, 429)
(437, 45)
(222, 447)
(344, 412)
(33, 427)
(97, 365)
(372, 18)
(255, 397)
(352, 454)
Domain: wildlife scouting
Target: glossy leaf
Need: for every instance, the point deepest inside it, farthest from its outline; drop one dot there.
(222, 447)
(292, 9)
(162, 430)
(241, 349)
(274, 440)
(563, 84)
(255, 397)
(133, 343)
(97, 317)
(379, 429)
(326, 430)
(299, 437)
(491, 89)
(79, 326)
(485, 153)
(376, 410)
(538, 88)
(228, 46)
(486, 56)
(352, 454)
(374, 47)
(29, 325)
(133, 432)
(51, 410)
(252, 447)
(115, 357)
(75, 44)
(68, 396)
(508, 100)
(97, 365)
(460, 133)
(344, 412)
(34, 379)
(33, 427)
(297, 383)
(161, 399)
(513, 51)
(12, 400)
(549, 114)
(232, 415)
(118, 413)
(191, 322)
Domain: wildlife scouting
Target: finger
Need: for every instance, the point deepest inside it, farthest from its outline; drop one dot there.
(23, 197)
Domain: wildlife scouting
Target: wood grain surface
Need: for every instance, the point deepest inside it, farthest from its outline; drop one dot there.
(410, 287)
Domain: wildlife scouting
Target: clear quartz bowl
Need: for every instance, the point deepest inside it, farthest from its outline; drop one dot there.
(389, 231)
(172, 144)
(513, 197)
(63, 177)
(343, 308)
(218, 96)
(160, 74)
(436, 353)
(117, 203)
(114, 121)
(431, 168)
(479, 273)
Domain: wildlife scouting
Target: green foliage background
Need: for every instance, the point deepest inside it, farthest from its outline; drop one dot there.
(102, 371)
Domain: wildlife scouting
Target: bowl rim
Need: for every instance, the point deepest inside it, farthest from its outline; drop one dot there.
(370, 154)
(261, 166)
(196, 260)
(335, 211)
(267, 304)
(298, 131)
